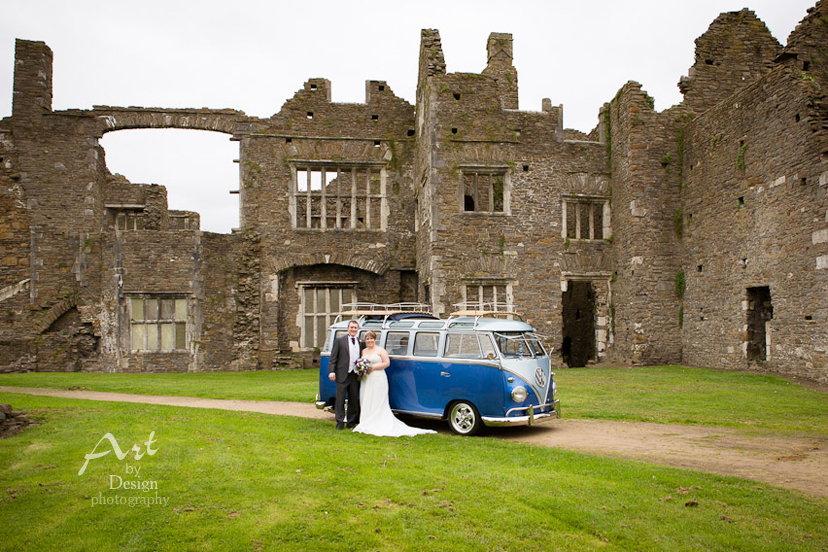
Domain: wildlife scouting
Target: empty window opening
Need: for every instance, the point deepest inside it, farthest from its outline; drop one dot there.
(456, 96)
(181, 221)
(808, 317)
(468, 203)
(803, 181)
(127, 221)
(197, 169)
(806, 66)
(411, 132)
(483, 192)
(375, 117)
(376, 143)
(526, 168)
(310, 114)
(700, 268)
(578, 334)
(288, 140)
(454, 131)
(797, 117)
(709, 61)
(488, 296)
(584, 218)
(313, 87)
(346, 197)
(742, 201)
(759, 315)
(381, 88)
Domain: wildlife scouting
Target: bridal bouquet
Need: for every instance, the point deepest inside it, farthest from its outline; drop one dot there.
(361, 367)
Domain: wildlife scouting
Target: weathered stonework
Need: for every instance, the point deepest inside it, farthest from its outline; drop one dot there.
(12, 421)
(695, 235)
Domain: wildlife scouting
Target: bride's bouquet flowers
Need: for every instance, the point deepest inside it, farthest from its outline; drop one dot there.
(361, 367)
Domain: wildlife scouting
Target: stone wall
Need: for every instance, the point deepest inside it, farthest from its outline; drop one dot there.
(644, 159)
(755, 216)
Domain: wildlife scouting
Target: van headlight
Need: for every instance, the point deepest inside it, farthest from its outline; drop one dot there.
(519, 394)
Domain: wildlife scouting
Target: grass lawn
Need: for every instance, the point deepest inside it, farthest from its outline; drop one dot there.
(666, 394)
(288, 385)
(241, 481)
(682, 395)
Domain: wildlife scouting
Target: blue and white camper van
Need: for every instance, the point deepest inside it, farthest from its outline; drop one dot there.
(476, 368)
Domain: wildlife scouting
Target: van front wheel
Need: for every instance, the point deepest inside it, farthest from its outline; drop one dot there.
(464, 419)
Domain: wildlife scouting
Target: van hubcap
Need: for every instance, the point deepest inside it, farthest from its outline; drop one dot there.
(463, 417)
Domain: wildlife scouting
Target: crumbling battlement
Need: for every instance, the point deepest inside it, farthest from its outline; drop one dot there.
(698, 234)
(736, 50)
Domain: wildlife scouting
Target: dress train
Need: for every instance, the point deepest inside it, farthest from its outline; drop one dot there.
(375, 416)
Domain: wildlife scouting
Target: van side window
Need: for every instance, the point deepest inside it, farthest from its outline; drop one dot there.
(396, 343)
(486, 346)
(462, 346)
(425, 344)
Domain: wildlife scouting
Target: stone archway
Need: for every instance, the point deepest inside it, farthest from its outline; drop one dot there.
(361, 262)
(228, 121)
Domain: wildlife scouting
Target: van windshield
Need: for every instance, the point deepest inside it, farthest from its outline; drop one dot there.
(519, 344)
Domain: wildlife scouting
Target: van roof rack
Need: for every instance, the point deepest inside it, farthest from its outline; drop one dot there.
(477, 309)
(389, 311)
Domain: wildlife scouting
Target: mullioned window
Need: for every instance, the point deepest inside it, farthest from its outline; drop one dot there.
(158, 323)
(338, 197)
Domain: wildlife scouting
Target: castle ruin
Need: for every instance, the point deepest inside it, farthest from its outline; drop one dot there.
(698, 235)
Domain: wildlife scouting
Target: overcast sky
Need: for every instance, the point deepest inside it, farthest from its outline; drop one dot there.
(254, 55)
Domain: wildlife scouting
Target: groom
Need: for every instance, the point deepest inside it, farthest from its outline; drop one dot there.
(341, 370)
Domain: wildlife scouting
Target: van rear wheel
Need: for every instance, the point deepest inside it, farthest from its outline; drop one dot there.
(464, 419)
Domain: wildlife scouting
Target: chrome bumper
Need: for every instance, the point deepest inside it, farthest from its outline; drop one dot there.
(531, 418)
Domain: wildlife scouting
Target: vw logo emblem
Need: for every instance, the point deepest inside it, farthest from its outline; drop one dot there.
(540, 377)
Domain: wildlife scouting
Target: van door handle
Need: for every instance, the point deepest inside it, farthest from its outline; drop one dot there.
(446, 374)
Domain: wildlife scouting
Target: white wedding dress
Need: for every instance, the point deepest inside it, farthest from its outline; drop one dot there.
(375, 416)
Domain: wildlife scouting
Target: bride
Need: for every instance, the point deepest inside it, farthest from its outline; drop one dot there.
(375, 416)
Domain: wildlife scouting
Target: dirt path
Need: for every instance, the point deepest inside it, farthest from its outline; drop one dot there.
(794, 462)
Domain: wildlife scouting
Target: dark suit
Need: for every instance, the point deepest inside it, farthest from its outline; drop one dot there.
(347, 382)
